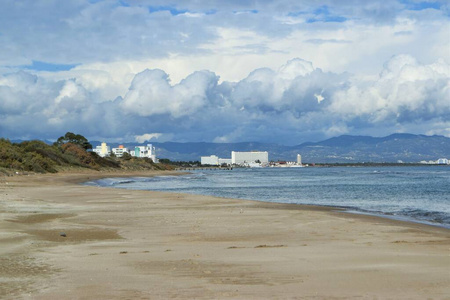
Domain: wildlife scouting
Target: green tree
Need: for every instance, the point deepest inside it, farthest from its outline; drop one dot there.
(165, 161)
(126, 156)
(73, 138)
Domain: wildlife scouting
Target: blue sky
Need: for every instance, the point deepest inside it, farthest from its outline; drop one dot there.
(43, 66)
(224, 71)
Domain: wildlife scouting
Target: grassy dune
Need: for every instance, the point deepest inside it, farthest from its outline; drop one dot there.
(39, 157)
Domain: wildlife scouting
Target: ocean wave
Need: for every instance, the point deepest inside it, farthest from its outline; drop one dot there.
(433, 216)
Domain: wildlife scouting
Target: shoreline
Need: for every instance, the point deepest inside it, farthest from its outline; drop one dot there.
(344, 209)
(130, 244)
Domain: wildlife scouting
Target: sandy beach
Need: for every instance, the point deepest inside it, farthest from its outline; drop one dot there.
(63, 240)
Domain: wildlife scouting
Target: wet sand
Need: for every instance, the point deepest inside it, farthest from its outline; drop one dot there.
(62, 240)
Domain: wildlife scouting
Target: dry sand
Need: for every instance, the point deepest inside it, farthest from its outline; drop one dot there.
(123, 244)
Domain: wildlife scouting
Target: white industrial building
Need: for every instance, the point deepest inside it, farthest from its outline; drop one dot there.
(242, 158)
(249, 159)
(226, 161)
(212, 160)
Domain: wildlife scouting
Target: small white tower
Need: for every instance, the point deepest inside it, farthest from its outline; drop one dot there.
(299, 159)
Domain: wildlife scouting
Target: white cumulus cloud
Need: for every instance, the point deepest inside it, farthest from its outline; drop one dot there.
(293, 103)
(147, 137)
(405, 92)
(151, 93)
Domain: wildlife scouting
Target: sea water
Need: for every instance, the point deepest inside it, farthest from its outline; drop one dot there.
(419, 194)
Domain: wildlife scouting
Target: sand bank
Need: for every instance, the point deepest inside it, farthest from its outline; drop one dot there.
(62, 240)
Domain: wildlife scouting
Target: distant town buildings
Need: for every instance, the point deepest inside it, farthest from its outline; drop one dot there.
(285, 164)
(253, 158)
(249, 159)
(138, 151)
(440, 161)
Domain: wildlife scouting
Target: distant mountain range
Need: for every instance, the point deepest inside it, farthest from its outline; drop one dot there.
(342, 149)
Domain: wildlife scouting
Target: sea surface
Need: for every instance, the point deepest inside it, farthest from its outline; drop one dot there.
(418, 194)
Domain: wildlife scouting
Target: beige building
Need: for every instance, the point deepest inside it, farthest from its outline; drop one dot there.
(102, 150)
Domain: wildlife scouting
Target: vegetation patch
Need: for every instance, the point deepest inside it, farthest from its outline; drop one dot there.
(70, 150)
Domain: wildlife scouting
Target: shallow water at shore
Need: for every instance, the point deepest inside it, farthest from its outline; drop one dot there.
(420, 194)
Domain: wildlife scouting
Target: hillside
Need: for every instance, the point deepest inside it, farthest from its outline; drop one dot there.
(404, 147)
(39, 157)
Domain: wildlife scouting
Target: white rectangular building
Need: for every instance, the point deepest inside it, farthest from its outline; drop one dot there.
(212, 160)
(226, 161)
(118, 152)
(239, 158)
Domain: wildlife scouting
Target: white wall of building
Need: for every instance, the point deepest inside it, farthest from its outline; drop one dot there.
(209, 160)
(224, 161)
(249, 157)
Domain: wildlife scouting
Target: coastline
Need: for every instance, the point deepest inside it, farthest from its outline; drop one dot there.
(216, 186)
(144, 244)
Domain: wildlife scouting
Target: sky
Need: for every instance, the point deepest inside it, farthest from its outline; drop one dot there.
(286, 72)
